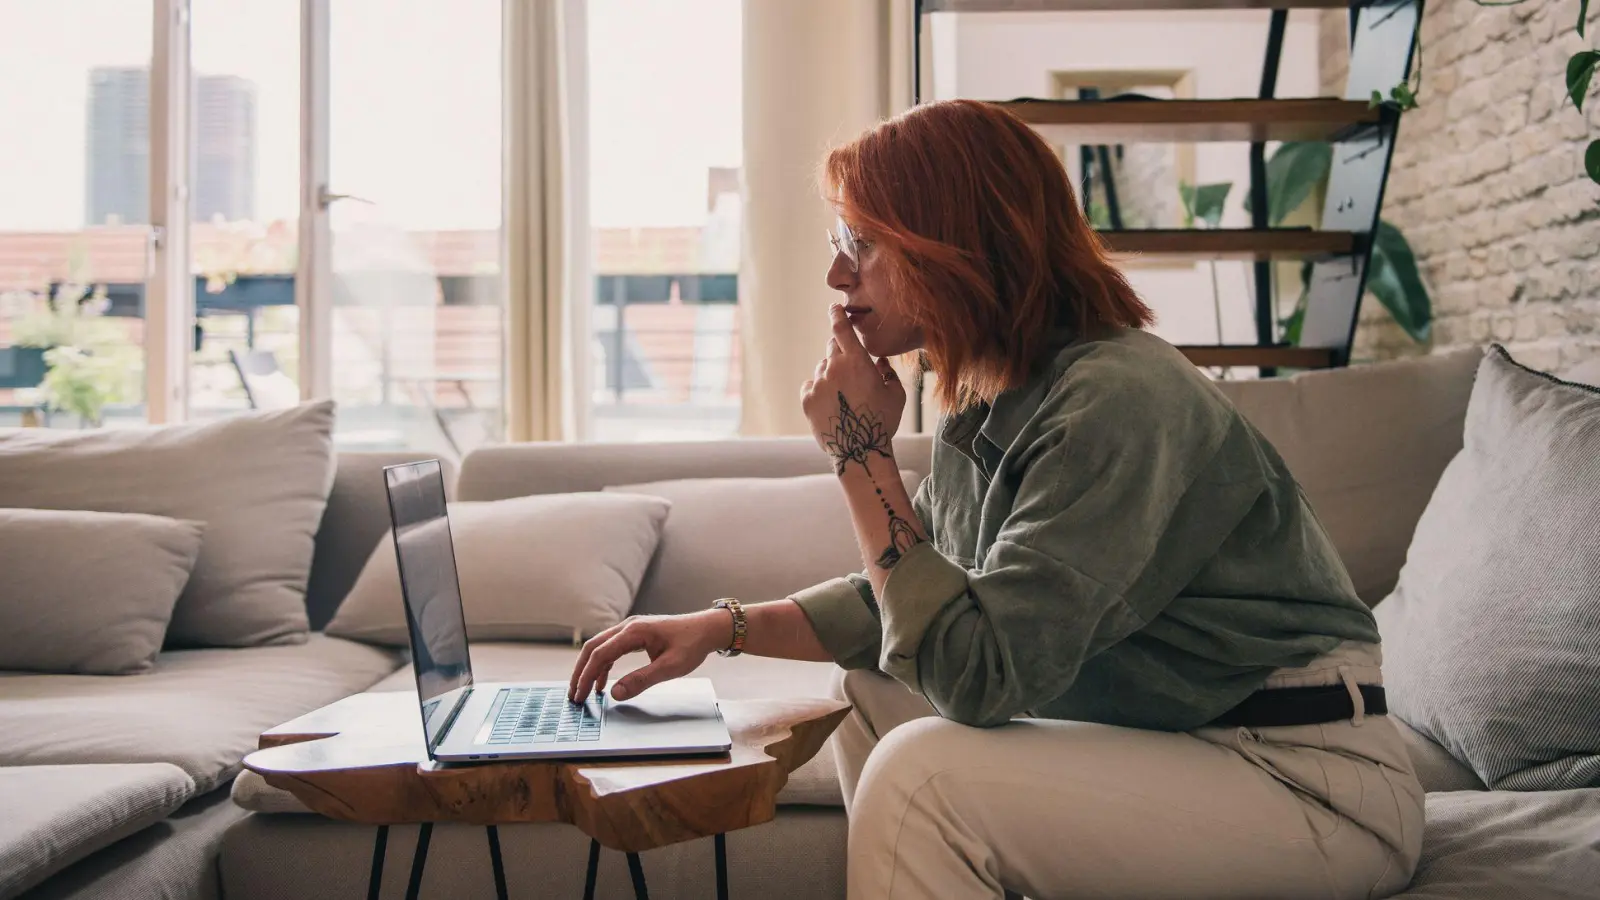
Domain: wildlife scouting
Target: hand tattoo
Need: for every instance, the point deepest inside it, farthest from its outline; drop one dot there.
(856, 436)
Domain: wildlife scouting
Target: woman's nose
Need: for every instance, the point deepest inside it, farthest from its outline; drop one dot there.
(840, 275)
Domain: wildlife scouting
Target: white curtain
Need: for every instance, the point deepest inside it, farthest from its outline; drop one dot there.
(544, 211)
(816, 73)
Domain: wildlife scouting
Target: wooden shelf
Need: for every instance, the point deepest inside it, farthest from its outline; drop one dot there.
(1120, 5)
(1231, 243)
(1191, 121)
(1250, 355)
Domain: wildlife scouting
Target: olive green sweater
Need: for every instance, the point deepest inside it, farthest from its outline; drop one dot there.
(1111, 542)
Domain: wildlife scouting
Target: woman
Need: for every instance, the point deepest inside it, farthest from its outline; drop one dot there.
(1108, 650)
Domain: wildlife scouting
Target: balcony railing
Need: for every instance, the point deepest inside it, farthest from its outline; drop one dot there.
(660, 346)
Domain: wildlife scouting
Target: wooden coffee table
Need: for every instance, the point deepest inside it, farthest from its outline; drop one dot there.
(362, 759)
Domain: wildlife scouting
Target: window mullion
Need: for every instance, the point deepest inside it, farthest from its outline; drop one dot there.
(314, 274)
(169, 290)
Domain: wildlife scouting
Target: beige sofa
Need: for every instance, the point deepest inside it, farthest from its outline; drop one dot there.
(1367, 443)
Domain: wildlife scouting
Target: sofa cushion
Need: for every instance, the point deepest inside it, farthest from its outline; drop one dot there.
(737, 678)
(751, 538)
(174, 859)
(1492, 637)
(356, 518)
(1510, 845)
(518, 470)
(1436, 769)
(258, 481)
(1367, 443)
(557, 567)
(57, 815)
(201, 710)
(89, 592)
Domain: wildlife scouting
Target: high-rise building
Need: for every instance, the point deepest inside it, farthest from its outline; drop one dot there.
(224, 158)
(225, 148)
(118, 173)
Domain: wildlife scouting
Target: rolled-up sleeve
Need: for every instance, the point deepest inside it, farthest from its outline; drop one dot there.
(844, 615)
(1113, 515)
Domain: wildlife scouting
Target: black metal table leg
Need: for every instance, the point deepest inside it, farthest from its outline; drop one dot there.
(380, 844)
(594, 869)
(636, 870)
(722, 866)
(419, 860)
(499, 865)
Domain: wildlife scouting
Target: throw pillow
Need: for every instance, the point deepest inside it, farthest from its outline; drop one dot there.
(1368, 443)
(553, 567)
(89, 593)
(1492, 637)
(259, 482)
(751, 538)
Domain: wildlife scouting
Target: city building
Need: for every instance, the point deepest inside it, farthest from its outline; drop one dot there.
(117, 169)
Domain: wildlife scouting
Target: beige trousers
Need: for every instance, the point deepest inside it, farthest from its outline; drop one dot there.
(1055, 809)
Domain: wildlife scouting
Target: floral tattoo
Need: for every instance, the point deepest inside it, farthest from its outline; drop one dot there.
(856, 437)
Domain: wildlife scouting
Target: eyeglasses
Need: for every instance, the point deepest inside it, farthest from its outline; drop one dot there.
(845, 241)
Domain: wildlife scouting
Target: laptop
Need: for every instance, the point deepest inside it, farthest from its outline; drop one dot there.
(465, 721)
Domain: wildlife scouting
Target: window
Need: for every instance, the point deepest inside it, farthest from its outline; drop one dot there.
(74, 211)
(665, 147)
(414, 147)
(244, 205)
(343, 222)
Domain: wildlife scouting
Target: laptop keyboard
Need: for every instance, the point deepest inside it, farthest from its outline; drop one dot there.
(544, 716)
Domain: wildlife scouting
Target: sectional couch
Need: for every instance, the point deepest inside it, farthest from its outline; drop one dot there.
(130, 786)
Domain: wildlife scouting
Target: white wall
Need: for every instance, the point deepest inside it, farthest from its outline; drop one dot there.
(1004, 56)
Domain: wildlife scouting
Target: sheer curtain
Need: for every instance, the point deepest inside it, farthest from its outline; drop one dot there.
(815, 74)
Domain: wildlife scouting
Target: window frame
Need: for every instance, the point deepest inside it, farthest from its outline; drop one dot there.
(169, 288)
(169, 291)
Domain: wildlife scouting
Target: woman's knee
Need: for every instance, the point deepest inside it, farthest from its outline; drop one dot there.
(913, 753)
(873, 696)
(836, 688)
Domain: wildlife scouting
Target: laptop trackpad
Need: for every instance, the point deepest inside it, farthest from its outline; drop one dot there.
(656, 709)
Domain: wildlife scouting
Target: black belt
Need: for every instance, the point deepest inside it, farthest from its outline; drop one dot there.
(1278, 707)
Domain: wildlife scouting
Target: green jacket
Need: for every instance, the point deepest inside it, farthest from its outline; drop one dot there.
(1111, 542)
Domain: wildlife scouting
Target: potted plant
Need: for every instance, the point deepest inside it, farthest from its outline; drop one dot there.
(1295, 171)
(90, 363)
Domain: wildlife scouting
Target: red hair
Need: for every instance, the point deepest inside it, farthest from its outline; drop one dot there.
(984, 239)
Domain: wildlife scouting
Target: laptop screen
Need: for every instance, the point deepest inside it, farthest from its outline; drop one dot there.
(432, 592)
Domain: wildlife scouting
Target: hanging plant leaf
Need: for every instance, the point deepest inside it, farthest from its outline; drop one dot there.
(1203, 202)
(1290, 326)
(1591, 161)
(1294, 323)
(1583, 13)
(1395, 280)
(1293, 171)
(1580, 71)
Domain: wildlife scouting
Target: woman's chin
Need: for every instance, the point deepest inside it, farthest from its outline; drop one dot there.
(878, 345)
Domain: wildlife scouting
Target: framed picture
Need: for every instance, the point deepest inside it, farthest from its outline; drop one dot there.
(1128, 185)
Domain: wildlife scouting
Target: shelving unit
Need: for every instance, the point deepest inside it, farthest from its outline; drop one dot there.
(1382, 37)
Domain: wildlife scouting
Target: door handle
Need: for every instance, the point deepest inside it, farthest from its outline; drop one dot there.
(326, 198)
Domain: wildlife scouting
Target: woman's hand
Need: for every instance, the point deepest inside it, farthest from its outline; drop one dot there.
(853, 402)
(677, 645)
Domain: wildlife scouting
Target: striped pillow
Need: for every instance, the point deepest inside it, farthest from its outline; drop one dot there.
(1492, 637)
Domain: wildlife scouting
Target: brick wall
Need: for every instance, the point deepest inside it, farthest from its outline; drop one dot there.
(1488, 184)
